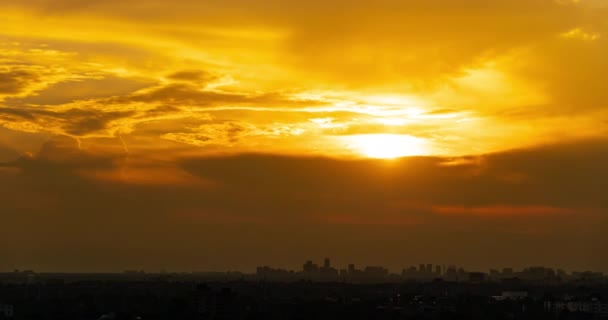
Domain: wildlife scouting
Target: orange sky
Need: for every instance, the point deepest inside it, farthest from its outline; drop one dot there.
(128, 93)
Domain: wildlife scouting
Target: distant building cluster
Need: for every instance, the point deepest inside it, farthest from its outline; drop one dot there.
(314, 272)
(424, 273)
(325, 272)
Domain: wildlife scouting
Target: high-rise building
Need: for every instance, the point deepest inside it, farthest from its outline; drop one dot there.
(351, 268)
(310, 267)
(326, 263)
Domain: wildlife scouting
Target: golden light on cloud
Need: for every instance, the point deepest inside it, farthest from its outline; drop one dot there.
(245, 77)
(578, 33)
(387, 146)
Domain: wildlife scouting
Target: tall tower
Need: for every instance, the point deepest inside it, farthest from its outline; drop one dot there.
(351, 269)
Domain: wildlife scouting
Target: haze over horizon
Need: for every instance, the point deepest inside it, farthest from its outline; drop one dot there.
(223, 135)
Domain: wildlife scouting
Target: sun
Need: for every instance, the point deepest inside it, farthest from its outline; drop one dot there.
(386, 146)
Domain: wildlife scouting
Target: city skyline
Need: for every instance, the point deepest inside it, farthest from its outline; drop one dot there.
(426, 271)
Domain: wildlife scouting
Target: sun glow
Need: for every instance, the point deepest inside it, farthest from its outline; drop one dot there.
(387, 146)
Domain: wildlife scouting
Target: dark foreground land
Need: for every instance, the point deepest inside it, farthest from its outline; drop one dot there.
(124, 298)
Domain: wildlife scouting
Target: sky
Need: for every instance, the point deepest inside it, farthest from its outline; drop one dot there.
(222, 135)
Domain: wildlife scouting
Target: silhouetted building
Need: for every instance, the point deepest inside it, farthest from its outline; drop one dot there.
(375, 273)
(310, 268)
(351, 268)
(477, 277)
(7, 311)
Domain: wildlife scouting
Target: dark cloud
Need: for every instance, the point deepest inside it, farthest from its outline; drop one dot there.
(7, 153)
(63, 154)
(218, 133)
(75, 121)
(17, 113)
(192, 95)
(16, 81)
(198, 76)
(569, 176)
(83, 122)
(95, 116)
(182, 94)
(161, 111)
(502, 210)
(83, 89)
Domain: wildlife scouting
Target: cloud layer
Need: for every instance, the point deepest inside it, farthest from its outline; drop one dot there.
(513, 73)
(110, 211)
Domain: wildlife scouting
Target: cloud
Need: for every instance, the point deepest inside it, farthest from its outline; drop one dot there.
(556, 176)
(22, 80)
(192, 95)
(109, 116)
(494, 211)
(25, 71)
(512, 73)
(7, 153)
(84, 89)
(225, 134)
(578, 33)
(15, 81)
(352, 209)
(192, 76)
(180, 108)
(73, 122)
(390, 40)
